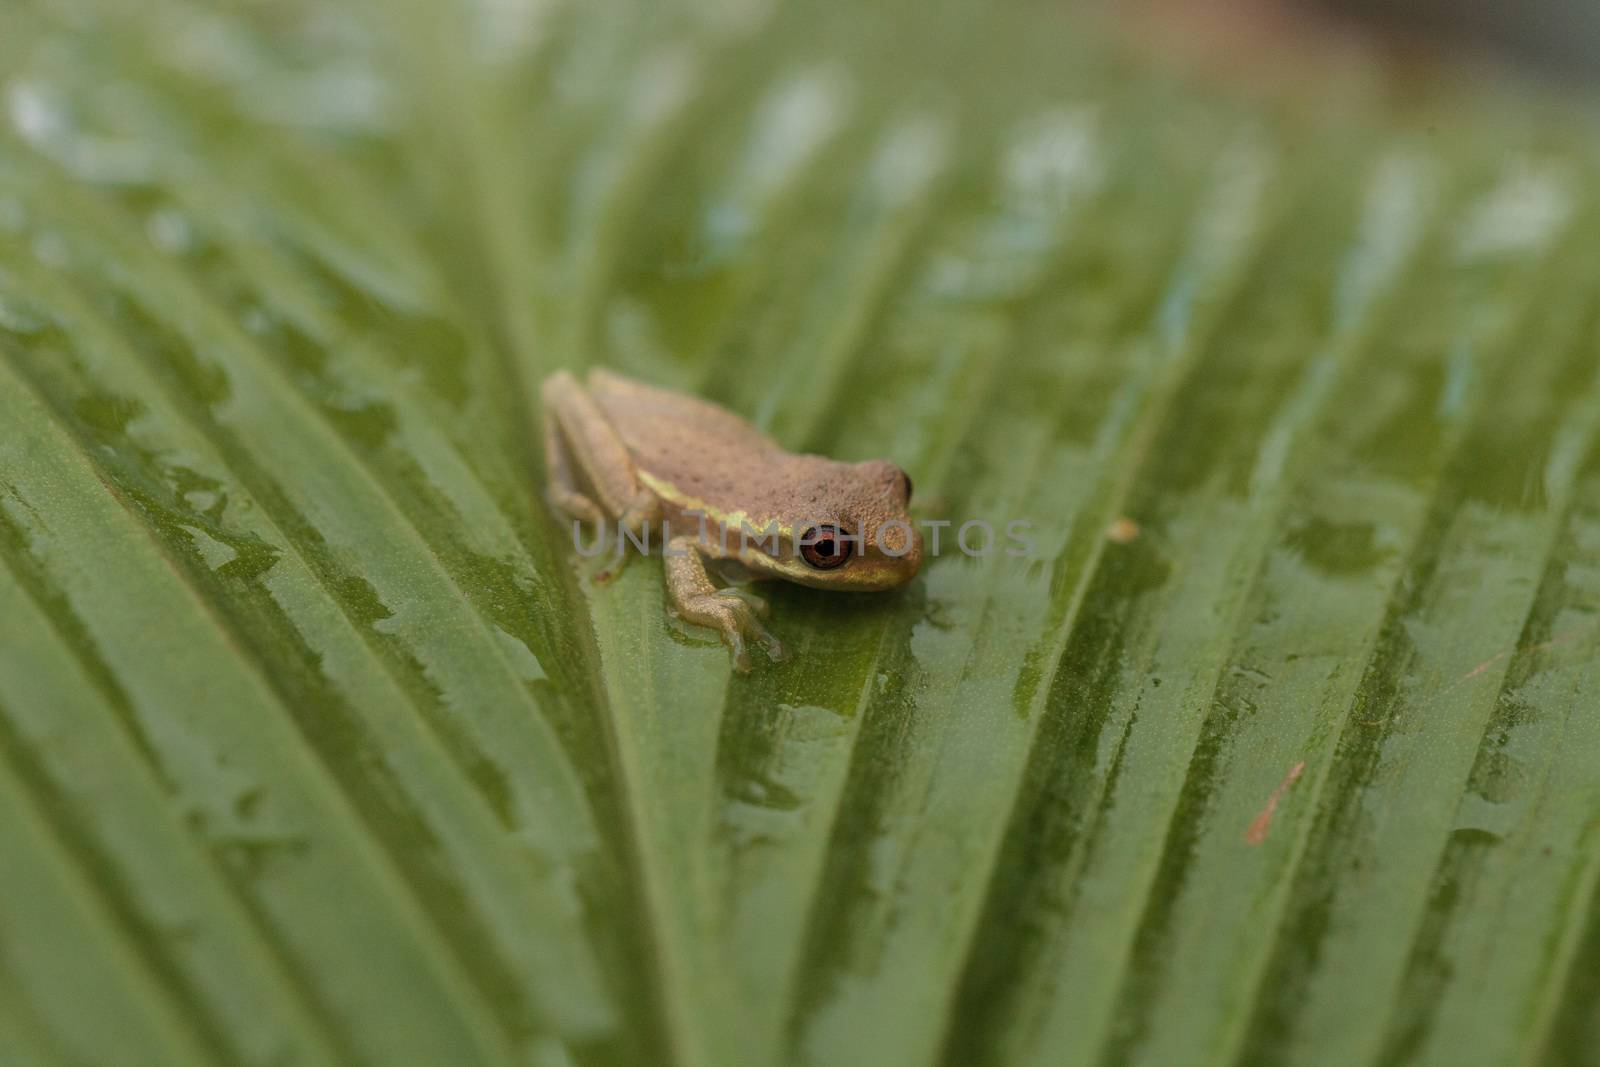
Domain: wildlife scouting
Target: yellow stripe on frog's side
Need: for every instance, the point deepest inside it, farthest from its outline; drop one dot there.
(728, 520)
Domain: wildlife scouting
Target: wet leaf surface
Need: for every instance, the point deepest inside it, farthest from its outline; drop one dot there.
(320, 743)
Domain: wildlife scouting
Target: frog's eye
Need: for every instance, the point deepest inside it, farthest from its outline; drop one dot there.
(825, 547)
(906, 478)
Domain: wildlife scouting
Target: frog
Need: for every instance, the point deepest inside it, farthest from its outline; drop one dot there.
(716, 489)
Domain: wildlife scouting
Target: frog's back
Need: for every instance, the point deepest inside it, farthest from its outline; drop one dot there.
(704, 451)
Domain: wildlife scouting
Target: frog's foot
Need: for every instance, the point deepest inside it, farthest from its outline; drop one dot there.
(736, 621)
(751, 608)
(744, 625)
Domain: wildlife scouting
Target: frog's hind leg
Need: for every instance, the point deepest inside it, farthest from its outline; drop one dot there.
(585, 442)
(579, 441)
(561, 484)
(698, 601)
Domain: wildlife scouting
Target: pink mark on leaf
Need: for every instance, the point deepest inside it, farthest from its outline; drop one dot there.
(1486, 664)
(1262, 822)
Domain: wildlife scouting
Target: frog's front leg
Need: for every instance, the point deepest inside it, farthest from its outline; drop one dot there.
(727, 611)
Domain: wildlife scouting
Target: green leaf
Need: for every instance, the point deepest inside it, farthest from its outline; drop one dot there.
(318, 744)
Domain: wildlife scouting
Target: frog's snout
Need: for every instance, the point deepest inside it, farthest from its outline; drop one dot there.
(911, 562)
(896, 554)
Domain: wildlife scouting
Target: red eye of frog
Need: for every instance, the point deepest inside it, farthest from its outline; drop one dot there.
(825, 547)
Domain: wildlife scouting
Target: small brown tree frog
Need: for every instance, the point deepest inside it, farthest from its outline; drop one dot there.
(717, 489)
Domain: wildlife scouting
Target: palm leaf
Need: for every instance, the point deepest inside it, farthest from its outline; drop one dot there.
(319, 746)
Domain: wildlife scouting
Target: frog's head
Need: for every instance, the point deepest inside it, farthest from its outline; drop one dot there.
(861, 536)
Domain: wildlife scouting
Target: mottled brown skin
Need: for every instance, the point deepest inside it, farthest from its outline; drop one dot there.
(621, 449)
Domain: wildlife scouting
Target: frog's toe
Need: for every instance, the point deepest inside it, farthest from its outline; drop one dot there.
(608, 568)
(753, 629)
(575, 506)
(746, 625)
(603, 575)
(641, 513)
(736, 650)
(776, 651)
(748, 599)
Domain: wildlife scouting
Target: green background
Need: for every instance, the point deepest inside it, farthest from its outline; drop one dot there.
(318, 748)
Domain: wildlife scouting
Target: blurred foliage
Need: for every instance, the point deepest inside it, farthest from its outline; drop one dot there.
(315, 746)
(1555, 36)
